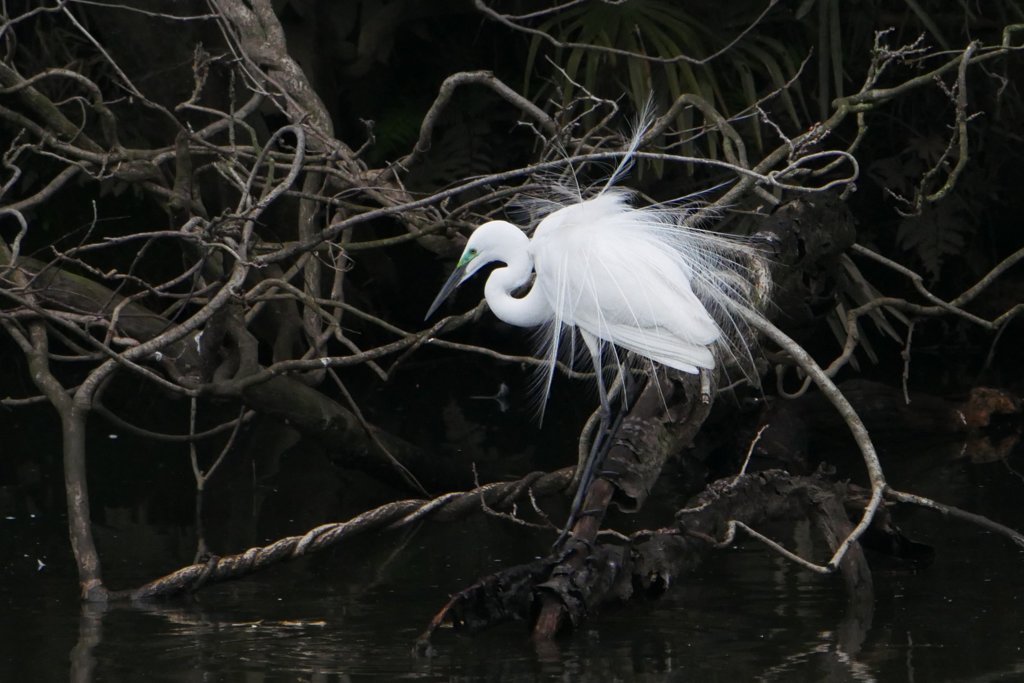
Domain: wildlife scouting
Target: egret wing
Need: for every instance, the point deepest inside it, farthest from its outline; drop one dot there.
(606, 271)
(623, 276)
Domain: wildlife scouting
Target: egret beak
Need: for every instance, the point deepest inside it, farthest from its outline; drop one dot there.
(454, 280)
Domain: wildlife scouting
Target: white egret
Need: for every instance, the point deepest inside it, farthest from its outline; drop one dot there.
(639, 279)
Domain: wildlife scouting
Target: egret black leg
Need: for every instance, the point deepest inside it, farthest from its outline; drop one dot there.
(599, 449)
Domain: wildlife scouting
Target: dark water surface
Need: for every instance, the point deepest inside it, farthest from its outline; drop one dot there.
(353, 613)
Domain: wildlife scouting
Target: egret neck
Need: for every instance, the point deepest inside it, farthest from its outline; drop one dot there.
(530, 310)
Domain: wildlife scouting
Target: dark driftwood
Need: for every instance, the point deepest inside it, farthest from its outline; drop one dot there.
(649, 563)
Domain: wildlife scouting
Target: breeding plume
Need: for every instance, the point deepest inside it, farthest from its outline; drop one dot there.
(635, 279)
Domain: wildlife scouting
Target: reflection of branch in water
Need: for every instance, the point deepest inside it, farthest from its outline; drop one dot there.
(90, 635)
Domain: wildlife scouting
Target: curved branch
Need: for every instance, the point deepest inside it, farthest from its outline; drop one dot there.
(391, 516)
(846, 411)
(444, 95)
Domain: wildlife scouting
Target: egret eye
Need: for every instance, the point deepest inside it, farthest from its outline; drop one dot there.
(468, 256)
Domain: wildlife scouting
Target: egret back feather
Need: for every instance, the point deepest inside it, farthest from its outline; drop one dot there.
(634, 279)
(628, 277)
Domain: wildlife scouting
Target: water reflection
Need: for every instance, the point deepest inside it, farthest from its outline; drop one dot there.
(90, 634)
(354, 613)
(748, 616)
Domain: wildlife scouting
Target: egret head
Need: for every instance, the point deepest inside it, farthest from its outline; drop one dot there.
(492, 241)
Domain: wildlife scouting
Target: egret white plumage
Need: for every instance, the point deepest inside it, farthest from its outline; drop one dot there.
(639, 279)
